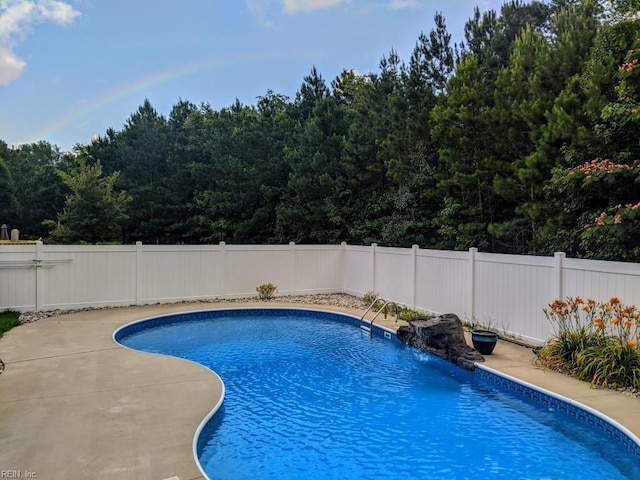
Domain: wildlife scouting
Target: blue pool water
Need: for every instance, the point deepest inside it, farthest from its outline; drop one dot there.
(311, 397)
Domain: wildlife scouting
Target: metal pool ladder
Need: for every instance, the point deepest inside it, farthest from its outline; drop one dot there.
(365, 325)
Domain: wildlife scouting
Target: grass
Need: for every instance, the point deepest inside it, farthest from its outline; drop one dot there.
(8, 320)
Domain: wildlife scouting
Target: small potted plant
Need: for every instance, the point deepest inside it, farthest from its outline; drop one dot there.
(484, 339)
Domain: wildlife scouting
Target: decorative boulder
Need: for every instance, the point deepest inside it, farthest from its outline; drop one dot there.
(443, 336)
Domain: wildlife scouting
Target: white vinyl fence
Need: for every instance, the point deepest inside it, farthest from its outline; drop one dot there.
(48, 277)
(506, 291)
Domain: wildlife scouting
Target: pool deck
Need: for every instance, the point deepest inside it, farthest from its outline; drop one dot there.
(75, 405)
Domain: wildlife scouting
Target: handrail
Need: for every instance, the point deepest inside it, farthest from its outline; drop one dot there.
(33, 263)
(377, 299)
(384, 307)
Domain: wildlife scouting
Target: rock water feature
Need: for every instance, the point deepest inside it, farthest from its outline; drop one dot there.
(443, 336)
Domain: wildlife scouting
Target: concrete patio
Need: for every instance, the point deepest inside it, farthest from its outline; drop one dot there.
(75, 405)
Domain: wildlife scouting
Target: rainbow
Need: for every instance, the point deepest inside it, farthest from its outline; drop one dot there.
(138, 85)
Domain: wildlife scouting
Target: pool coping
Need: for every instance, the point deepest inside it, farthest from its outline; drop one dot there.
(38, 407)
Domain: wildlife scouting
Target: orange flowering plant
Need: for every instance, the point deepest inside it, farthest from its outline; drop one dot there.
(608, 319)
(570, 314)
(595, 341)
(575, 330)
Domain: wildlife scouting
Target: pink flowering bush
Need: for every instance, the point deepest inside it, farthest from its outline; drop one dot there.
(605, 195)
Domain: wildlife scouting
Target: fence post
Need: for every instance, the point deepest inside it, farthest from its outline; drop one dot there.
(40, 283)
(472, 283)
(373, 267)
(558, 260)
(414, 274)
(223, 269)
(343, 262)
(292, 267)
(138, 273)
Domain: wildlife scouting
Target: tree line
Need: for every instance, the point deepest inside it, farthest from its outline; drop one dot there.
(521, 139)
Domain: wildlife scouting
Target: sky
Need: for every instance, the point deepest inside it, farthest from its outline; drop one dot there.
(71, 69)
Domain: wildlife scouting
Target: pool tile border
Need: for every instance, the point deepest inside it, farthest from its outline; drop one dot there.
(576, 410)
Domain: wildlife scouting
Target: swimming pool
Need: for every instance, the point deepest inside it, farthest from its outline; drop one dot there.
(309, 396)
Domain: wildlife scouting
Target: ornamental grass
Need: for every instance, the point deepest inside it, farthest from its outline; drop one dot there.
(595, 341)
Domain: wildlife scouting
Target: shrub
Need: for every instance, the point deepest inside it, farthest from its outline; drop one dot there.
(407, 314)
(610, 365)
(266, 291)
(369, 297)
(8, 320)
(561, 352)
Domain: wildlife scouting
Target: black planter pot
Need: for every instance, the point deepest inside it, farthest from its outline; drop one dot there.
(484, 341)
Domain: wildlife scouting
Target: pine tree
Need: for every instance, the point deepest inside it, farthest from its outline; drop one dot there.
(94, 211)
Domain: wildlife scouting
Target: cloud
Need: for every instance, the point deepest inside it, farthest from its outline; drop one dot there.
(401, 4)
(294, 6)
(10, 66)
(260, 9)
(59, 12)
(17, 18)
(264, 9)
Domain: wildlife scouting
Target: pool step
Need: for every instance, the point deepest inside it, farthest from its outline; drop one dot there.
(365, 329)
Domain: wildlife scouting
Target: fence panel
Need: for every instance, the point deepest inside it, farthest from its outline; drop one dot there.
(317, 269)
(18, 277)
(358, 270)
(248, 266)
(511, 291)
(394, 274)
(175, 273)
(76, 276)
(442, 284)
(601, 280)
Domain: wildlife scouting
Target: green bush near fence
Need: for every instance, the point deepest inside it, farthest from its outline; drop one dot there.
(8, 320)
(266, 291)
